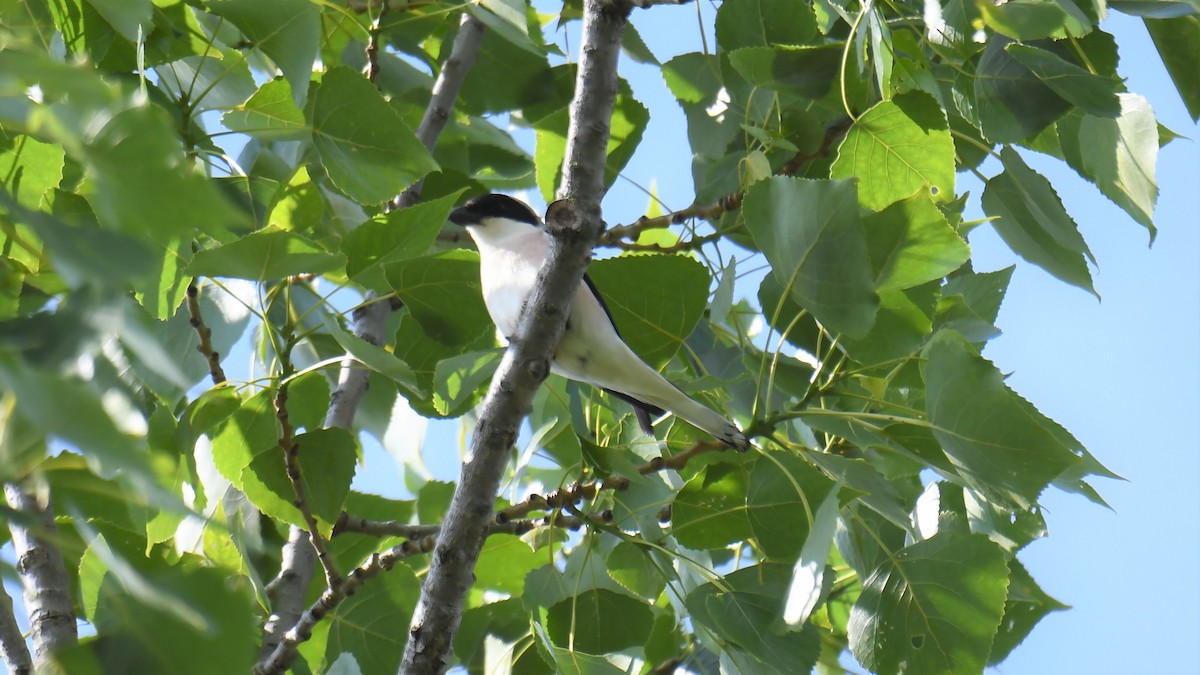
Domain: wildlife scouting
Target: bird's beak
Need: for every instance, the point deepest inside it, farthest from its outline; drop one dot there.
(463, 216)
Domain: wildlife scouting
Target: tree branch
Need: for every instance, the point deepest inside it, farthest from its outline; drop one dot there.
(445, 93)
(204, 333)
(43, 575)
(13, 649)
(283, 657)
(575, 223)
(291, 456)
(286, 591)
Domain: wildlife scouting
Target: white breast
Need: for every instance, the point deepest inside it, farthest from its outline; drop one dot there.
(510, 255)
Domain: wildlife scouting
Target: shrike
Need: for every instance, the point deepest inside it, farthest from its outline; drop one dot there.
(513, 246)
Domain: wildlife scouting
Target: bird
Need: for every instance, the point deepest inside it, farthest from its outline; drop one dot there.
(513, 245)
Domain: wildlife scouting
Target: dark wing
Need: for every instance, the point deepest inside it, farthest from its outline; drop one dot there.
(644, 412)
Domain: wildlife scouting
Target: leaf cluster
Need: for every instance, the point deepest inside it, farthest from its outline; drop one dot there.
(233, 147)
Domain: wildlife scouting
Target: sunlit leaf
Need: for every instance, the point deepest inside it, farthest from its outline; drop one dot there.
(896, 148)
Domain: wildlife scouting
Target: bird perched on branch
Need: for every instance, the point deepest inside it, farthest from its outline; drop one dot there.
(513, 246)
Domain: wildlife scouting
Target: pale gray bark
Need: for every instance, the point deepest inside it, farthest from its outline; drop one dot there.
(44, 577)
(445, 93)
(575, 223)
(13, 649)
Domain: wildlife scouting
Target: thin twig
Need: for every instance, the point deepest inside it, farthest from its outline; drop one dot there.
(291, 456)
(730, 202)
(562, 497)
(285, 655)
(680, 460)
(390, 528)
(211, 356)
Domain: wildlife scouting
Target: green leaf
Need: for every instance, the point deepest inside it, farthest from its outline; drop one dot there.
(131, 18)
(1118, 155)
(1092, 93)
(710, 509)
(896, 148)
(932, 608)
(764, 23)
(910, 243)
(267, 254)
(629, 121)
(811, 234)
(655, 300)
(327, 460)
(1033, 222)
(808, 72)
(28, 168)
(361, 623)
(216, 80)
(443, 293)
(782, 497)
(745, 609)
(374, 357)
(363, 144)
(1000, 443)
(808, 574)
(1178, 44)
(144, 183)
(1027, 604)
(269, 114)
(71, 412)
(599, 621)
(288, 31)
(396, 235)
(459, 381)
(693, 77)
(1035, 19)
(1012, 103)
(504, 562)
(634, 567)
(148, 623)
(635, 47)
(970, 302)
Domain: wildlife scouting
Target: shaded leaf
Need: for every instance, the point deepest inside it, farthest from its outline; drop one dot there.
(363, 144)
(710, 510)
(811, 234)
(267, 254)
(910, 243)
(746, 608)
(655, 300)
(1178, 43)
(782, 496)
(1001, 445)
(1091, 93)
(443, 293)
(270, 113)
(1012, 103)
(931, 608)
(599, 621)
(1032, 221)
(288, 31)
